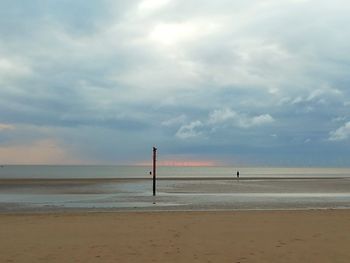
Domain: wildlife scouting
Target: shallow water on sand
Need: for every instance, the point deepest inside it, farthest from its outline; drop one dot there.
(205, 193)
(95, 171)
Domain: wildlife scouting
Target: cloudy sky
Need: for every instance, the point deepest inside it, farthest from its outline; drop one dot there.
(256, 82)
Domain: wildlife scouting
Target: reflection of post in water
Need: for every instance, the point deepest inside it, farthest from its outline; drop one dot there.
(154, 169)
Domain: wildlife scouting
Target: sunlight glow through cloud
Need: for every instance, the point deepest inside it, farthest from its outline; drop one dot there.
(150, 5)
(4, 127)
(180, 163)
(169, 34)
(39, 152)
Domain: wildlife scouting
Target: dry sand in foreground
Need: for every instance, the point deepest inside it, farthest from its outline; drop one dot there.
(251, 236)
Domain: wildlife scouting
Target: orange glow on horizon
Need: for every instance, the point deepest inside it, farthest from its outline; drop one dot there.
(179, 163)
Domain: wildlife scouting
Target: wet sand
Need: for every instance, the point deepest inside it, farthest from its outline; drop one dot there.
(239, 236)
(54, 195)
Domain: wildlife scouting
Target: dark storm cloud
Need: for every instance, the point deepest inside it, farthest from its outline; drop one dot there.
(260, 81)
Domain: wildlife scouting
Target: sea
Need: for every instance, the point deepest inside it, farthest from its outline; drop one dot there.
(46, 188)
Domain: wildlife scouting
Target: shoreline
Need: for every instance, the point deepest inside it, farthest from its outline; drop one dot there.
(125, 179)
(83, 211)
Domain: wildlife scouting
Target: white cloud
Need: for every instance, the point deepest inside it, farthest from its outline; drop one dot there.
(273, 90)
(307, 140)
(297, 100)
(221, 115)
(324, 91)
(13, 68)
(228, 116)
(189, 130)
(175, 121)
(218, 118)
(319, 95)
(261, 120)
(341, 133)
(339, 119)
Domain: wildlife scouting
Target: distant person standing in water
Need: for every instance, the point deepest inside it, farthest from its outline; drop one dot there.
(237, 174)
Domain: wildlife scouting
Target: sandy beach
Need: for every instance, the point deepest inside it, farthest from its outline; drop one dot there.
(237, 236)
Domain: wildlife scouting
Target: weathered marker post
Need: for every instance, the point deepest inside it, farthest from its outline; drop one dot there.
(154, 169)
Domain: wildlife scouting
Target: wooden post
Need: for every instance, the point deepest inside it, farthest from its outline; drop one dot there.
(154, 169)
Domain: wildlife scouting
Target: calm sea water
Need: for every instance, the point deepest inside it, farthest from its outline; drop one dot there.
(65, 172)
(266, 188)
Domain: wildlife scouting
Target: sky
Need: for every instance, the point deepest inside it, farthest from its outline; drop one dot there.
(226, 82)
